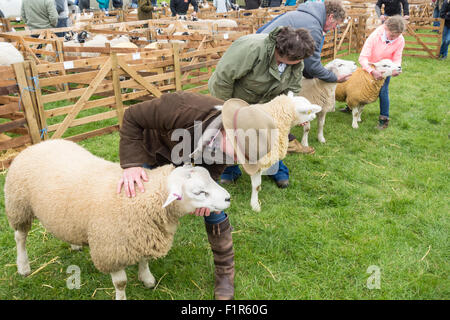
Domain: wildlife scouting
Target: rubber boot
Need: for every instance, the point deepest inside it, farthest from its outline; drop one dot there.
(383, 123)
(219, 236)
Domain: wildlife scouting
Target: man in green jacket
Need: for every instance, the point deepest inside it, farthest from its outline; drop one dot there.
(258, 67)
(39, 14)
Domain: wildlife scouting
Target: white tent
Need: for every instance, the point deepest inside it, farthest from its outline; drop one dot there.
(10, 8)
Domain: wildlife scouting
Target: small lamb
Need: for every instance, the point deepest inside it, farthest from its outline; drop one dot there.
(73, 194)
(362, 88)
(323, 93)
(286, 111)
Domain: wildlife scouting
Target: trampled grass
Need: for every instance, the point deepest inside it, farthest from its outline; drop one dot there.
(366, 198)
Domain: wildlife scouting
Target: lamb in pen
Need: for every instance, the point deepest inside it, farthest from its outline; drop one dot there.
(53, 182)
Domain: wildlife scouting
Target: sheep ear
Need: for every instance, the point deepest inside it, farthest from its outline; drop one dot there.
(171, 198)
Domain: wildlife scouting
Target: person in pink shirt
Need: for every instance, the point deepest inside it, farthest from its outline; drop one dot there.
(385, 42)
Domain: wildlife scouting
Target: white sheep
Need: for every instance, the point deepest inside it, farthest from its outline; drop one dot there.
(9, 54)
(361, 88)
(322, 93)
(99, 41)
(286, 111)
(73, 194)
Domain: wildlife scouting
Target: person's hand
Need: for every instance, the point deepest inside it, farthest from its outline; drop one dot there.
(194, 13)
(303, 124)
(395, 73)
(129, 177)
(344, 77)
(382, 17)
(406, 17)
(203, 212)
(377, 75)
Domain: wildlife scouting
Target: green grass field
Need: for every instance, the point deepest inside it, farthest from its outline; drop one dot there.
(366, 198)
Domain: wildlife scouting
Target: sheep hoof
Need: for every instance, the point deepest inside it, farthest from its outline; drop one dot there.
(321, 139)
(24, 270)
(74, 247)
(149, 282)
(355, 125)
(256, 207)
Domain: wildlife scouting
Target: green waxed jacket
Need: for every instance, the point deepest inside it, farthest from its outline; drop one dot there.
(39, 14)
(248, 71)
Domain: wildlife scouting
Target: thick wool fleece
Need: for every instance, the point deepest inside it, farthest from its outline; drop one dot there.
(359, 90)
(282, 110)
(319, 92)
(73, 194)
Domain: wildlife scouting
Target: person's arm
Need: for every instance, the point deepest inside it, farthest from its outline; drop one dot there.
(313, 65)
(52, 13)
(444, 13)
(366, 53)
(23, 14)
(237, 61)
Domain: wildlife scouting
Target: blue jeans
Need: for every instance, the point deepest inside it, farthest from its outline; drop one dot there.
(436, 15)
(445, 42)
(384, 98)
(233, 172)
(212, 218)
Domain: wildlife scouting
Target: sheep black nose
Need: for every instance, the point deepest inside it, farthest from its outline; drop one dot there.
(228, 199)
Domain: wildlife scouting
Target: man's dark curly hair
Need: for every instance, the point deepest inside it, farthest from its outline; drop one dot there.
(294, 44)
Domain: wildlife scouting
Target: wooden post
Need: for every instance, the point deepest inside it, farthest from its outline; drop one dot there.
(177, 67)
(40, 106)
(26, 102)
(116, 86)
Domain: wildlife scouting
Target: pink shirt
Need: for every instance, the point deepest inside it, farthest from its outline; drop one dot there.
(375, 49)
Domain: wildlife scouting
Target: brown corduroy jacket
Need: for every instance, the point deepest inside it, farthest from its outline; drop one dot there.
(146, 132)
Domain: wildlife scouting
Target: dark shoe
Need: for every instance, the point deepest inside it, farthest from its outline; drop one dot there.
(442, 57)
(346, 110)
(230, 174)
(219, 236)
(383, 123)
(282, 184)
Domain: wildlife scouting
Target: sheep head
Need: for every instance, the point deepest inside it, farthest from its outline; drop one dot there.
(341, 67)
(386, 67)
(306, 111)
(193, 187)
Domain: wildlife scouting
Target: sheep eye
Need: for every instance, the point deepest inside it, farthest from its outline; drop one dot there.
(200, 192)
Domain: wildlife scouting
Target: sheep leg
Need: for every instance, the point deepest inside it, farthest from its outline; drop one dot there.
(320, 124)
(355, 112)
(306, 129)
(360, 110)
(119, 280)
(256, 186)
(23, 264)
(145, 275)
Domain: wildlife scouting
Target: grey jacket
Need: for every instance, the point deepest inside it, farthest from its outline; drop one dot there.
(311, 16)
(39, 14)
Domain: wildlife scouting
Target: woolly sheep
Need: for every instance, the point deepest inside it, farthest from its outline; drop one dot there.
(361, 88)
(287, 112)
(9, 54)
(322, 93)
(53, 181)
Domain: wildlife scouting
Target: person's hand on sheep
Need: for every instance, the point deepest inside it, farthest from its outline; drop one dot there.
(203, 212)
(343, 78)
(130, 176)
(377, 75)
(395, 73)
